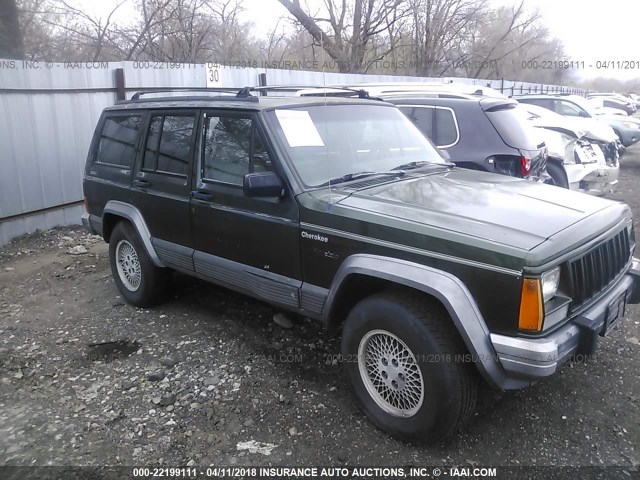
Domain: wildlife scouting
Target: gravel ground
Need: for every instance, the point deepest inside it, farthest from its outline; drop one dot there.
(210, 379)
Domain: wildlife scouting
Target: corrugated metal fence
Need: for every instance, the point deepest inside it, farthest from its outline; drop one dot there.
(49, 111)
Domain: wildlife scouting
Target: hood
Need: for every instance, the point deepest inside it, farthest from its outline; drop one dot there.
(611, 111)
(597, 129)
(493, 208)
(543, 118)
(618, 119)
(564, 126)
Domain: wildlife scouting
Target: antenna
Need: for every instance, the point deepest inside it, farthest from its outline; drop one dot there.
(326, 128)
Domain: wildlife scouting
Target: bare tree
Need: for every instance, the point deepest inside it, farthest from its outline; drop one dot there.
(162, 30)
(277, 44)
(426, 37)
(440, 29)
(353, 26)
(136, 38)
(191, 31)
(11, 44)
(87, 36)
(37, 36)
(504, 33)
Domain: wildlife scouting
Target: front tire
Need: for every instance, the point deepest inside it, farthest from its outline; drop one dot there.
(139, 281)
(403, 357)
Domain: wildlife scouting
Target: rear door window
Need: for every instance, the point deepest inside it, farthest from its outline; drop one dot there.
(118, 140)
(170, 144)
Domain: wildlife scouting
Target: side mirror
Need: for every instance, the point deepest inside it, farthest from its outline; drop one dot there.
(444, 154)
(584, 114)
(263, 184)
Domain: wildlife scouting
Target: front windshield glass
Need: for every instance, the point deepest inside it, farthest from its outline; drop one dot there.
(326, 142)
(584, 104)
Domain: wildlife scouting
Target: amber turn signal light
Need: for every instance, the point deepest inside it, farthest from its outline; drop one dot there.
(531, 314)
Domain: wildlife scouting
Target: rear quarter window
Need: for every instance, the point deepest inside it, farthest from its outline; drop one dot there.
(446, 128)
(118, 140)
(422, 117)
(514, 129)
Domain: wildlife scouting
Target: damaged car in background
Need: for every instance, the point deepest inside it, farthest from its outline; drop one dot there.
(581, 112)
(573, 161)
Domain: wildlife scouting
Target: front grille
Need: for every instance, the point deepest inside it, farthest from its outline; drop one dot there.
(594, 271)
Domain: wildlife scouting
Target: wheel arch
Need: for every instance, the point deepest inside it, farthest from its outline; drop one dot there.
(371, 273)
(559, 164)
(114, 212)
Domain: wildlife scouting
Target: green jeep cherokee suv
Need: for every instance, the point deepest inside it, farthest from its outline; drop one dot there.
(340, 210)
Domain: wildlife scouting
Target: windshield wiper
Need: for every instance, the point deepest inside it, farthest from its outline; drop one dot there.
(414, 165)
(354, 176)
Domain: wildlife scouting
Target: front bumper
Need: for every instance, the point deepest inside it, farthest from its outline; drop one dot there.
(532, 359)
(593, 178)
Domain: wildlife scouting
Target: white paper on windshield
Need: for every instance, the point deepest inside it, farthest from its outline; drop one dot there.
(299, 129)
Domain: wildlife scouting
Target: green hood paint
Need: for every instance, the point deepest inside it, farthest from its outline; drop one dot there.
(492, 218)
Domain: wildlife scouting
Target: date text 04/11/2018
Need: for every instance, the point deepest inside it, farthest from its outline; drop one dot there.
(580, 64)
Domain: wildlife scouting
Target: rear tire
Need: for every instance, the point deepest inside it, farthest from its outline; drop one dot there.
(140, 282)
(401, 354)
(558, 175)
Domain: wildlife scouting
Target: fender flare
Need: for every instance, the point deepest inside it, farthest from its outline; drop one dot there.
(131, 213)
(448, 290)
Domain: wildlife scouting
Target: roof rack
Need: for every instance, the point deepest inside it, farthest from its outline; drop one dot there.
(245, 93)
(239, 94)
(348, 91)
(434, 93)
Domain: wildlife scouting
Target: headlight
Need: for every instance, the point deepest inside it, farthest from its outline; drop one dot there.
(550, 283)
(566, 139)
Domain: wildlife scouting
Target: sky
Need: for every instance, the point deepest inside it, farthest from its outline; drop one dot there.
(591, 31)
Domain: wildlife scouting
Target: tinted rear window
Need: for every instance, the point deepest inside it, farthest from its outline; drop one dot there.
(118, 140)
(513, 128)
(422, 117)
(446, 131)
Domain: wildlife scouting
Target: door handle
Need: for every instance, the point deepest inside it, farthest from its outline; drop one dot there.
(198, 195)
(142, 183)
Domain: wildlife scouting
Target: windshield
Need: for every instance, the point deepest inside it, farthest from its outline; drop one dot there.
(585, 105)
(326, 142)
